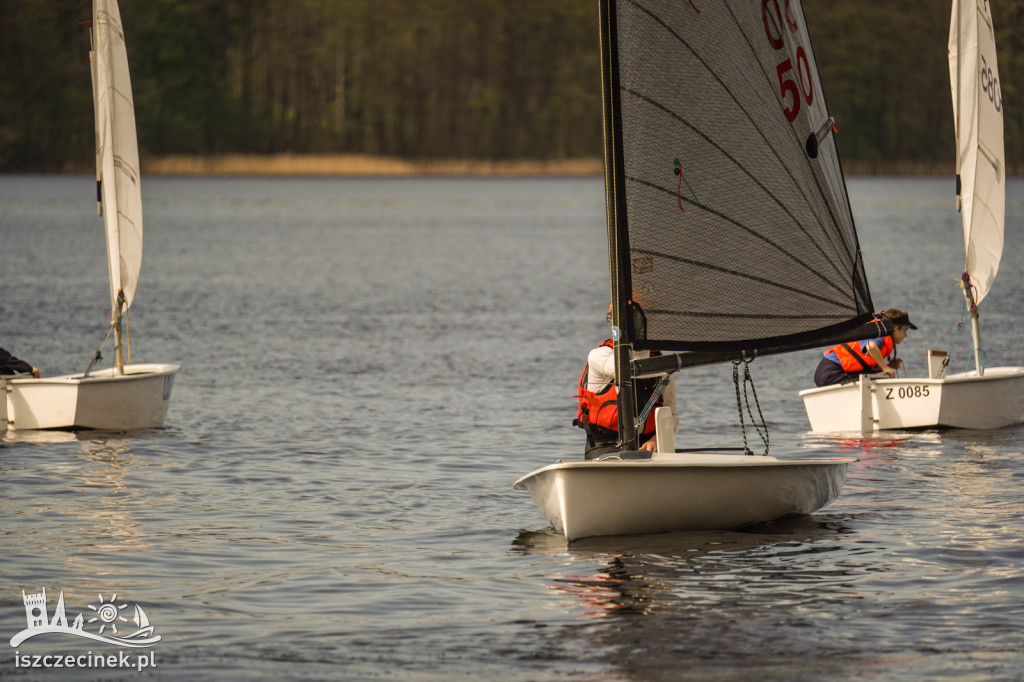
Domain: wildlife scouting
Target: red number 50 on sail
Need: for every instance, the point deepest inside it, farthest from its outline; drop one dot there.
(789, 89)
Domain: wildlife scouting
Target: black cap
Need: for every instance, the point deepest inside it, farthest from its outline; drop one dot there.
(899, 317)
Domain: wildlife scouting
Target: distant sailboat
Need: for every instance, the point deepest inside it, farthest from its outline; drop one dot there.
(125, 396)
(988, 397)
(730, 236)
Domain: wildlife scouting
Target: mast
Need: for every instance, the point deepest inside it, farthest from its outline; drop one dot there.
(975, 323)
(618, 238)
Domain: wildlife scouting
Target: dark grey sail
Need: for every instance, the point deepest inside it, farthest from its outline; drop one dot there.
(729, 224)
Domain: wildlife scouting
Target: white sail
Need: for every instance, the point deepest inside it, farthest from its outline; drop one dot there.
(978, 116)
(117, 151)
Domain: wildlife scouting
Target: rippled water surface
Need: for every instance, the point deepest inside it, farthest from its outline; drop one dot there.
(368, 365)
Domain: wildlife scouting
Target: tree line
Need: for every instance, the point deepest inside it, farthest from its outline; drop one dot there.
(439, 79)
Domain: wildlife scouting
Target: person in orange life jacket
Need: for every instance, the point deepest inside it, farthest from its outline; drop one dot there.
(847, 361)
(598, 413)
(12, 365)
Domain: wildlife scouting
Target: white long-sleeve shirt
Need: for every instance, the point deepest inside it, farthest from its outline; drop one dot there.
(601, 373)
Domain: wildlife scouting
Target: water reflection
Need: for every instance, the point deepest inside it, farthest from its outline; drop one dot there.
(89, 486)
(653, 603)
(107, 466)
(40, 437)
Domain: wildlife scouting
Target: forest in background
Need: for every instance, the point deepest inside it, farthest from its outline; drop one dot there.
(495, 80)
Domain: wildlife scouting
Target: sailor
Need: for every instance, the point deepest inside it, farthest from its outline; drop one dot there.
(12, 365)
(598, 412)
(847, 361)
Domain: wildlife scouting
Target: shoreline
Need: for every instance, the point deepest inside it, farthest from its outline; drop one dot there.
(357, 165)
(361, 165)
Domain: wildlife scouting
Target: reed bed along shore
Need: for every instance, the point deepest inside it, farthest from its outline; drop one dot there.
(357, 165)
(365, 165)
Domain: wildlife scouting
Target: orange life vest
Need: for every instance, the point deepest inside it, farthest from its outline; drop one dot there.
(601, 409)
(859, 361)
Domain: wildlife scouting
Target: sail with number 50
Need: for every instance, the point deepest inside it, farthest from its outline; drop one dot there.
(733, 226)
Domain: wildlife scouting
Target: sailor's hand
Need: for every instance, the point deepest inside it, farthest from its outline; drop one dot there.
(651, 445)
(890, 372)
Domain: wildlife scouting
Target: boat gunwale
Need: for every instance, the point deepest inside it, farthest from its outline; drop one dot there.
(732, 463)
(133, 373)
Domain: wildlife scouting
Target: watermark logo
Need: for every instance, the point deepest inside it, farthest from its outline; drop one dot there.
(106, 621)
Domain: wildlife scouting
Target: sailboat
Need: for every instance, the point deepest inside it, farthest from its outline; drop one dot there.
(730, 237)
(125, 396)
(985, 397)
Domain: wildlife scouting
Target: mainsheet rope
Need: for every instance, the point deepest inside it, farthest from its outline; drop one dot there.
(762, 430)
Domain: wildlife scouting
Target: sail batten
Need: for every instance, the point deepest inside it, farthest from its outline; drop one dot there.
(722, 101)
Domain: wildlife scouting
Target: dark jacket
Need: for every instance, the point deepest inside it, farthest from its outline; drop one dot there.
(12, 365)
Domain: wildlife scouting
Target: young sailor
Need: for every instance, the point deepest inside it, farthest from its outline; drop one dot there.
(598, 412)
(847, 361)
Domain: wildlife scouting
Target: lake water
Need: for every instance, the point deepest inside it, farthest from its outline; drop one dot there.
(367, 367)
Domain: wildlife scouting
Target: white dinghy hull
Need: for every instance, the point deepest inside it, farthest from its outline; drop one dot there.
(106, 400)
(962, 401)
(681, 491)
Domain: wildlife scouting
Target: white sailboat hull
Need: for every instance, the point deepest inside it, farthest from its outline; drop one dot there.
(106, 400)
(680, 491)
(963, 401)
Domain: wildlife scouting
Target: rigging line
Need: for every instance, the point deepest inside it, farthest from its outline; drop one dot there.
(956, 334)
(642, 417)
(753, 124)
(810, 165)
(99, 353)
(832, 285)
